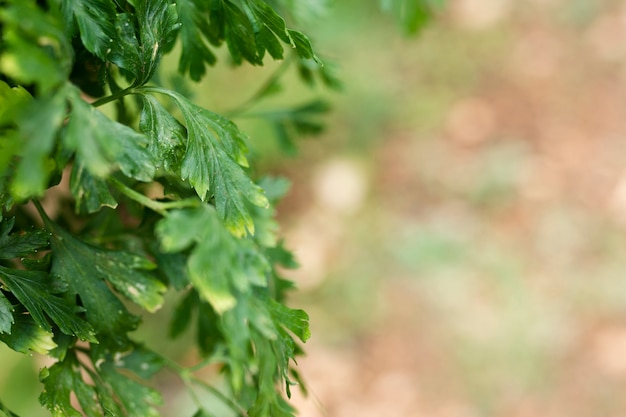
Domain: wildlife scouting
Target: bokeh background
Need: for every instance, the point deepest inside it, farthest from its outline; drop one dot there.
(461, 225)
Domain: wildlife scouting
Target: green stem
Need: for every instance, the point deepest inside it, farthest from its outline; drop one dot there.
(42, 212)
(271, 81)
(185, 374)
(115, 96)
(157, 206)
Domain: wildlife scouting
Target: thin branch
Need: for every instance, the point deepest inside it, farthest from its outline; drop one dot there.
(157, 206)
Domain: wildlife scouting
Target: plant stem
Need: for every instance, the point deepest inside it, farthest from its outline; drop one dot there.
(265, 87)
(157, 206)
(115, 96)
(185, 374)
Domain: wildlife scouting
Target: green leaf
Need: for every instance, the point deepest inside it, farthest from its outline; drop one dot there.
(181, 317)
(195, 54)
(12, 99)
(297, 321)
(35, 48)
(412, 15)
(142, 362)
(167, 135)
(95, 22)
(303, 46)
(84, 268)
(34, 290)
(26, 336)
(138, 49)
(137, 399)
(59, 381)
(37, 125)
(91, 193)
(213, 164)
(239, 35)
(6, 314)
(104, 145)
(20, 244)
(219, 264)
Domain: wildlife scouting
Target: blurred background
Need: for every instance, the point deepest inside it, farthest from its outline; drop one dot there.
(461, 224)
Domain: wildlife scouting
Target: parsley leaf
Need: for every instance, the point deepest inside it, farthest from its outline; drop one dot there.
(95, 22)
(19, 244)
(158, 23)
(6, 314)
(27, 336)
(84, 268)
(103, 145)
(34, 290)
(213, 161)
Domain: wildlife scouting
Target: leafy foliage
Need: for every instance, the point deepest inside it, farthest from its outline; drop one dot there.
(81, 107)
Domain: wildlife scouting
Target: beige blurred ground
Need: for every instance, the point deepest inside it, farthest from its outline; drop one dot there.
(462, 228)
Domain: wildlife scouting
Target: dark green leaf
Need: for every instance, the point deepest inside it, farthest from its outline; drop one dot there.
(82, 266)
(95, 22)
(209, 333)
(181, 318)
(20, 244)
(6, 314)
(137, 399)
(213, 164)
(33, 289)
(240, 36)
(91, 193)
(26, 336)
(195, 54)
(141, 361)
(173, 267)
(138, 49)
(60, 381)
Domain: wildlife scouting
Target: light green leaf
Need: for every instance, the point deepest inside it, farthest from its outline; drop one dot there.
(26, 336)
(220, 265)
(6, 314)
(303, 46)
(12, 99)
(297, 321)
(34, 290)
(37, 125)
(167, 135)
(209, 272)
(104, 145)
(38, 52)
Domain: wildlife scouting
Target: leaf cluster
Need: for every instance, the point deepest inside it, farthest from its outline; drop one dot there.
(75, 283)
